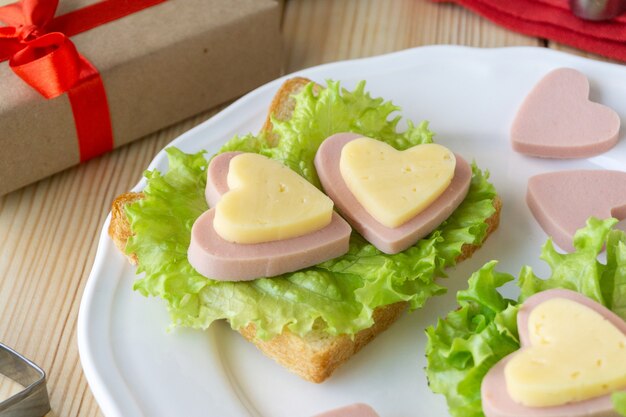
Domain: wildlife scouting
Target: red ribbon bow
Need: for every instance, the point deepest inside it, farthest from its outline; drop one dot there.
(41, 53)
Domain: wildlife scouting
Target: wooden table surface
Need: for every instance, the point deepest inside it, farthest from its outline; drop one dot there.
(49, 230)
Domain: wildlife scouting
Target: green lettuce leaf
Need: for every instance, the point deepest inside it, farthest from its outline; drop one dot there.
(619, 402)
(337, 296)
(470, 340)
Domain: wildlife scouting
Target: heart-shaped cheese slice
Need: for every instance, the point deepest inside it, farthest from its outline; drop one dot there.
(267, 201)
(557, 120)
(572, 356)
(387, 239)
(216, 258)
(394, 186)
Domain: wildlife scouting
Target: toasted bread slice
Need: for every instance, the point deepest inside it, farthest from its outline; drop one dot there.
(315, 356)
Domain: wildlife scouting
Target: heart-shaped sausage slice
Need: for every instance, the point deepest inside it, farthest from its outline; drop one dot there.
(573, 337)
(563, 201)
(216, 258)
(388, 240)
(557, 120)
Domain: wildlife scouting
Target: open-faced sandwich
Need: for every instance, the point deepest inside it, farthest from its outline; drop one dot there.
(559, 350)
(279, 264)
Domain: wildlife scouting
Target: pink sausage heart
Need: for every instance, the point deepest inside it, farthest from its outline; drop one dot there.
(354, 410)
(219, 259)
(496, 400)
(563, 201)
(557, 120)
(388, 240)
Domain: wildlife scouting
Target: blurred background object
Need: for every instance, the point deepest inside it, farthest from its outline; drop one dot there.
(597, 9)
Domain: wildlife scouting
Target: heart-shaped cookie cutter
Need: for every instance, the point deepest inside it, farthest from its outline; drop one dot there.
(33, 400)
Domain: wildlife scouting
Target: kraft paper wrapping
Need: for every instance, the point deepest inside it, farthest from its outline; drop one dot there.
(159, 66)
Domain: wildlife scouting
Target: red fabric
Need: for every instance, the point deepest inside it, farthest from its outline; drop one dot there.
(41, 53)
(552, 19)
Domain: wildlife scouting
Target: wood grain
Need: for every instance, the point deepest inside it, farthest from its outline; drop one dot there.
(8, 387)
(49, 230)
(329, 30)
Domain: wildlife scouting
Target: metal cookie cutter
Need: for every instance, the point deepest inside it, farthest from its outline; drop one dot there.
(33, 400)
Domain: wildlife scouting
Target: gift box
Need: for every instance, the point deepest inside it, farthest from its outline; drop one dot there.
(100, 74)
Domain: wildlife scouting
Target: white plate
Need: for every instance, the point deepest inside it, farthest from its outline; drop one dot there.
(136, 367)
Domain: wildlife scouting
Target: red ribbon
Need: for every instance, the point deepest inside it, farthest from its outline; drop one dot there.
(41, 53)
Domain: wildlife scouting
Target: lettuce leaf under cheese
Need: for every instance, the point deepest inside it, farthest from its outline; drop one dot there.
(339, 295)
(470, 340)
(619, 402)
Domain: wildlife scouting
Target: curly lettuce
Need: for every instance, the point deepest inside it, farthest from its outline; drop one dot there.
(470, 340)
(339, 295)
(619, 402)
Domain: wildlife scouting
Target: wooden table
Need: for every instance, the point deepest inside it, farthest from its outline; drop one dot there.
(49, 230)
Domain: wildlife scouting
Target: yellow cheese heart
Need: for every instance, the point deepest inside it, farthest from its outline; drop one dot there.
(267, 201)
(574, 354)
(394, 186)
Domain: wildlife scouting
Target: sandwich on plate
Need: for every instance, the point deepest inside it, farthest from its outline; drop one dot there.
(558, 350)
(279, 234)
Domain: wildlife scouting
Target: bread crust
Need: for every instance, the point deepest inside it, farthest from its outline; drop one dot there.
(119, 227)
(283, 104)
(315, 356)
